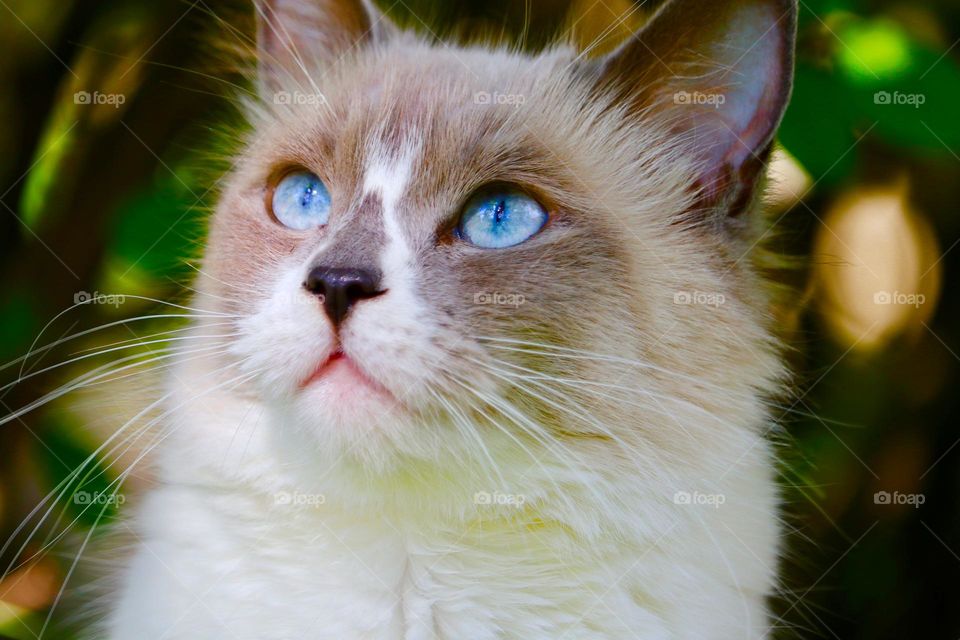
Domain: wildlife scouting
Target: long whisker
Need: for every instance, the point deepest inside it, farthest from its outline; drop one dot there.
(550, 351)
(186, 329)
(579, 416)
(87, 379)
(525, 425)
(102, 352)
(581, 387)
(230, 285)
(130, 440)
(464, 426)
(34, 350)
(233, 381)
(557, 351)
(61, 487)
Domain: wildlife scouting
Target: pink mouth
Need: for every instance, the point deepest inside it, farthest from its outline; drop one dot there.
(340, 371)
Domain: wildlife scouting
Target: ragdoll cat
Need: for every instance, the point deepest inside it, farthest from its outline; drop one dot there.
(497, 355)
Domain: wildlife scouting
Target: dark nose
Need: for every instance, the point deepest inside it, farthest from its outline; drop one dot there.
(342, 288)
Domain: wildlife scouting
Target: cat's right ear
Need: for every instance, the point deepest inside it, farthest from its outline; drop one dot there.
(295, 37)
(720, 72)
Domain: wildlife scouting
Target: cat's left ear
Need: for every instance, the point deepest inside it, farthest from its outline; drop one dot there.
(294, 37)
(720, 72)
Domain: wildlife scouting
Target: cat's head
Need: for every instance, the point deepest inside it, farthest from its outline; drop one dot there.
(432, 247)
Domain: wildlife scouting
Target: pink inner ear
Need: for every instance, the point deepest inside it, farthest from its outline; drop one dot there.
(755, 93)
(735, 64)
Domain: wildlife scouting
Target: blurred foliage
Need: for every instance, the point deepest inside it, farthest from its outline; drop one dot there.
(110, 198)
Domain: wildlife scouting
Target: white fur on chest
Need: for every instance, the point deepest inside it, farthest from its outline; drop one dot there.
(231, 559)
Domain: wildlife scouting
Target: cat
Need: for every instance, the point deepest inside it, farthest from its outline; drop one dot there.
(497, 355)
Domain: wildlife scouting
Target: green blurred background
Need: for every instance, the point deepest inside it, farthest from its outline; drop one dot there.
(109, 199)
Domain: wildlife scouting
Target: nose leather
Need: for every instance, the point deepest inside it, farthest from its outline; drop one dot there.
(341, 288)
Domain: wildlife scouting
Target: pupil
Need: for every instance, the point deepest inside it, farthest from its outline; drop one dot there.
(500, 212)
(308, 194)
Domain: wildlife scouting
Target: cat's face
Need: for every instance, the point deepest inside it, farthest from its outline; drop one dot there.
(418, 238)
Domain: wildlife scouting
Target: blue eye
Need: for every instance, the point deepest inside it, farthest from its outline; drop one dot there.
(301, 201)
(500, 219)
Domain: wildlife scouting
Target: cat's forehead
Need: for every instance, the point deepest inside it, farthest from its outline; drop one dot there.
(440, 120)
(388, 97)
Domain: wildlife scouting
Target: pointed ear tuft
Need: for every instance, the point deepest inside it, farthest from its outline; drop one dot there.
(720, 72)
(293, 36)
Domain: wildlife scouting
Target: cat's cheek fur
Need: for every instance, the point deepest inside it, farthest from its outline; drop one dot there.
(284, 336)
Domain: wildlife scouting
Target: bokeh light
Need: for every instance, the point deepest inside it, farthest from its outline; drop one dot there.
(872, 49)
(876, 265)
